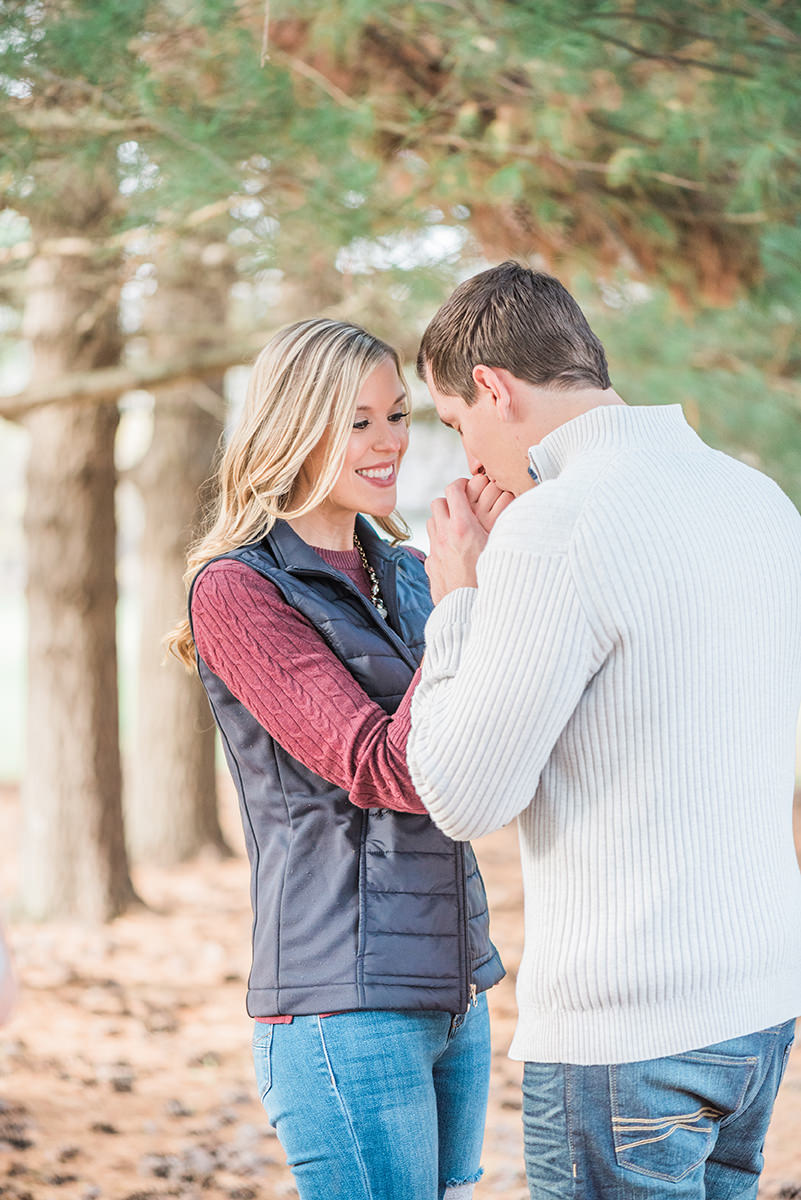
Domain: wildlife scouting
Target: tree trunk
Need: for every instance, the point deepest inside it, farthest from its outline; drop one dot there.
(73, 860)
(172, 806)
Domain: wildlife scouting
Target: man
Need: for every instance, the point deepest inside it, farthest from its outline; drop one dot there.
(621, 670)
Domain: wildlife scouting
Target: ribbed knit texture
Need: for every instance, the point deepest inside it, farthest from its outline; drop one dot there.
(627, 678)
(272, 659)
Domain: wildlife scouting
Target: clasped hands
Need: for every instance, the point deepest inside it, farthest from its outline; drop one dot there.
(458, 529)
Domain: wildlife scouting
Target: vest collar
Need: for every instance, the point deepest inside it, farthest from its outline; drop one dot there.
(297, 557)
(294, 554)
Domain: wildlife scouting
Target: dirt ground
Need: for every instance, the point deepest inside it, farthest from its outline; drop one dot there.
(125, 1073)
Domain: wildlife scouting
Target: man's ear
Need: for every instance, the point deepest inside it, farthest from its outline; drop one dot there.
(495, 385)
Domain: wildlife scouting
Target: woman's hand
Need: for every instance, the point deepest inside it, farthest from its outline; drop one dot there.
(457, 537)
(487, 500)
(458, 529)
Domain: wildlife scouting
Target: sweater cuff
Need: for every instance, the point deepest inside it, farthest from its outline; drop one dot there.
(446, 630)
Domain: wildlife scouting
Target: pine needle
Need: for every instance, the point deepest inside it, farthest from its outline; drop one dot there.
(265, 36)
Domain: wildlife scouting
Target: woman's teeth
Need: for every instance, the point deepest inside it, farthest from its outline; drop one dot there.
(377, 473)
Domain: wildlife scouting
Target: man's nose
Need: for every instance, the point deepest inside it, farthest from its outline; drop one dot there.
(474, 465)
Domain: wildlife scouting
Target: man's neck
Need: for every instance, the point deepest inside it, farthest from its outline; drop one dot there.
(552, 408)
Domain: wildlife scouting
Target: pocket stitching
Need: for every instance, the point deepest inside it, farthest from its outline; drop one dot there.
(705, 1135)
(632, 1166)
(675, 1120)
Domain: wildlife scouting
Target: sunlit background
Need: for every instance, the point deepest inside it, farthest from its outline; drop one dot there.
(178, 180)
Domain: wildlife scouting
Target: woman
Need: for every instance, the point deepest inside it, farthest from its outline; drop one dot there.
(371, 948)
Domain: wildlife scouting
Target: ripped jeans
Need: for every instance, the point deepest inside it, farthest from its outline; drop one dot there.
(687, 1127)
(378, 1105)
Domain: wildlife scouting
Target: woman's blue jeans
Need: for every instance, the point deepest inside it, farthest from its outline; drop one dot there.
(378, 1105)
(687, 1127)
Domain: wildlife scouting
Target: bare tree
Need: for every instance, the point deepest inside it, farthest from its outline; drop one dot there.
(172, 801)
(74, 858)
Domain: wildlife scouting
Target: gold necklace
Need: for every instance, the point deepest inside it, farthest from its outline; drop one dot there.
(375, 591)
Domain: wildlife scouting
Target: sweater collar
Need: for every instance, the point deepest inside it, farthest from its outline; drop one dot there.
(294, 553)
(613, 426)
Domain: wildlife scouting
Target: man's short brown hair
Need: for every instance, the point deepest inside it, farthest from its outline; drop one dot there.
(521, 320)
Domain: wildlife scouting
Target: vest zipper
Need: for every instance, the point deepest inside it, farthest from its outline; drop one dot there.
(469, 986)
(367, 605)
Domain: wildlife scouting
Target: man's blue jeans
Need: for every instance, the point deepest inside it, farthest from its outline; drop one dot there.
(378, 1105)
(689, 1127)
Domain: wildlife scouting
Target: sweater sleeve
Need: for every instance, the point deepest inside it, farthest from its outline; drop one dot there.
(505, 666)
(274, 661)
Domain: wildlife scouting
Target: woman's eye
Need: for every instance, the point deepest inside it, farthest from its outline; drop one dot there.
(395, 419)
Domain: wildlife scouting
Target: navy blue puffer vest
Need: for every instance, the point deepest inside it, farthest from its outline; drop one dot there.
(353, 908)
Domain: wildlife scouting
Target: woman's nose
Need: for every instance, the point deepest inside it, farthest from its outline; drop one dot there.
(391, 437)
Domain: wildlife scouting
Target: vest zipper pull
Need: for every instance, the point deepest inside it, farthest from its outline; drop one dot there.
(473, 996)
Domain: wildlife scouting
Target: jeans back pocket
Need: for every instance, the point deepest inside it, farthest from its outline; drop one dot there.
(665, 1111)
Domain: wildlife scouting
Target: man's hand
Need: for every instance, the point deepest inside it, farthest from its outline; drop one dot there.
(457, 538)
(487, 500)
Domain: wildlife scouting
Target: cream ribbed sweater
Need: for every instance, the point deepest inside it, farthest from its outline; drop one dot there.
(626, 680)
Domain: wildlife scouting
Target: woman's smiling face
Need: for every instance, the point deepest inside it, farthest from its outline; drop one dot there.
(367, 482)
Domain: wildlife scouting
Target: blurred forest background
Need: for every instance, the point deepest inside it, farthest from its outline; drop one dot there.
(178, 179)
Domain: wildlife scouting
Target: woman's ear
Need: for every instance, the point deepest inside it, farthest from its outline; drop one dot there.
(494, 384)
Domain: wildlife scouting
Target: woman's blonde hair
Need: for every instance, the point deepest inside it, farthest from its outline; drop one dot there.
(303, 388)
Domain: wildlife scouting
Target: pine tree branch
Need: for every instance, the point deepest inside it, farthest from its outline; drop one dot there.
(466, 145)
(16, 255)
(520, 150)
(675, 59)
(22, 252)
(85, 122)
(265, 35)
(100, 125)
(106, 384)
(699, 35)
(314, 76)
(747, 218)
(423, 73)
(90, 123)
(644, 19)
(76, 84)
(777, 28)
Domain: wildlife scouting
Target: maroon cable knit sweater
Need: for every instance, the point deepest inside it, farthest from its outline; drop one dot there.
(277, 664)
